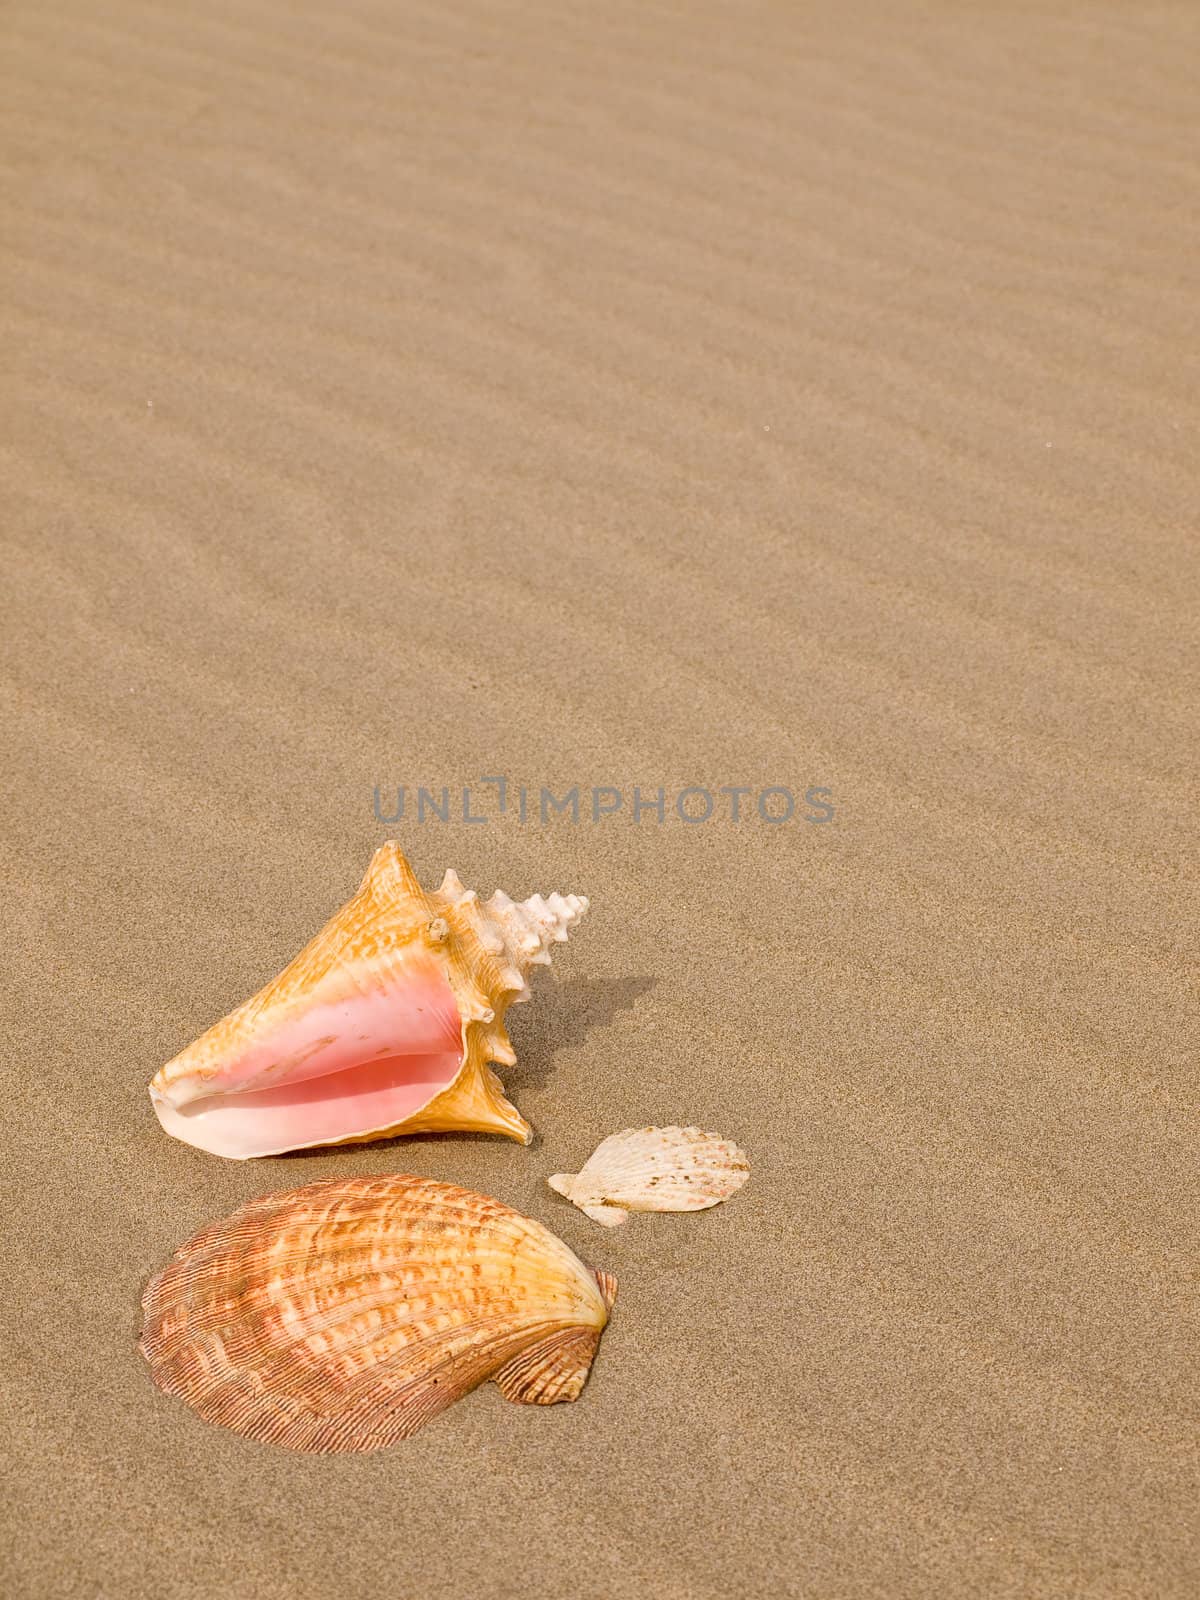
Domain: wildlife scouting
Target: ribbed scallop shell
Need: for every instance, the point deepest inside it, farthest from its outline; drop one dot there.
(654, 1169)
(345, 1315)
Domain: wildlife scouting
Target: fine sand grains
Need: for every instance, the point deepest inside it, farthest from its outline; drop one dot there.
(656, 394)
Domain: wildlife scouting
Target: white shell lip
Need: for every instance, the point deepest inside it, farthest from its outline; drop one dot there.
(654, 1169)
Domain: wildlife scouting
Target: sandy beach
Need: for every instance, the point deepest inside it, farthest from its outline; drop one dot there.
(652, 396)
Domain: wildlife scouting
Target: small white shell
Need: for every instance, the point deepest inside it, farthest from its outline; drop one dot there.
(654, 1169)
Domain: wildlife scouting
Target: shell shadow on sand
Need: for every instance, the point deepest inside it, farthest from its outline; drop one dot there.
(571, 1012)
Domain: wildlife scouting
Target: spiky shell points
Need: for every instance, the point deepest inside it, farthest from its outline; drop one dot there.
(385, 1023)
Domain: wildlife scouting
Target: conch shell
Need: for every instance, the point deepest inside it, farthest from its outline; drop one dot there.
(383, 1024)
(654, 1169)
(346, 1315)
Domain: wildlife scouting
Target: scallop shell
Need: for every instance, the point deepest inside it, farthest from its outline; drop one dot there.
(654, 1169)
(384, 1024)
(346, 1315)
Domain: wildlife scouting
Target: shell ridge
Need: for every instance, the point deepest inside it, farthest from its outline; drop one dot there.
(332, 1242)
(321, 1300)
(337, 1412)
(436, 1290)
(549, 1369)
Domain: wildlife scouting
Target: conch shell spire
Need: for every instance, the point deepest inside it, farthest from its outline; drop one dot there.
(384, 1024)
(519, 932)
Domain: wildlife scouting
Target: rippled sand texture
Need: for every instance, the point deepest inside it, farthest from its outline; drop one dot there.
(624, 394)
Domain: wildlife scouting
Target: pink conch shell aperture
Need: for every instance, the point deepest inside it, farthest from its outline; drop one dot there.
(384, 1024)
(346, 1315)
(654, 1169)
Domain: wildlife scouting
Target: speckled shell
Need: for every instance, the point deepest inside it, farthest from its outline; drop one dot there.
(654, 1169)
(346, 1315)
(384, 1024)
